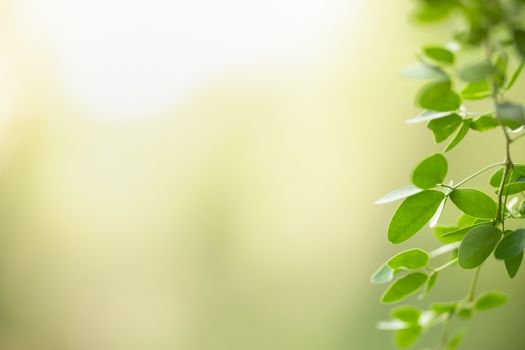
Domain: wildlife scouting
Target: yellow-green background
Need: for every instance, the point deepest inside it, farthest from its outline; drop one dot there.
(240, 219)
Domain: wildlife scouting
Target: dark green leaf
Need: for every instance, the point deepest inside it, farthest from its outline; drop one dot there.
(398, 194)
(384, 274)
(438, 96)
(513, 264)
(511, 115)
(519, 37)
(411, 259)
(511, 245)
(477, 245)
(404, 287)
(430, 172)
(475, 71)
(413, 214)
(444, 127)
(515, 187)
(439, 54)
(484, 123)
(518, 170)
(457, 235)
(460, 135)
(474, 203)
(489, 300)
(515, 76)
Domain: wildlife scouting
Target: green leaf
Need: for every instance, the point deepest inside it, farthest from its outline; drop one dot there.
(515, 187)
(518, 170)
(475, 71)
(427, 116)
(511, 245)
(455, 341)
(423, 71)
(430, 172)
(404, 287)
(459, 234)
(460, 135)
(474, 203)
(405, 338)
(455, 233)
(411, 259)
(406, 313)
(438, 96)
(476, 90)
(439, 54)
(515, 76)
(513, 264)
(431, 282)
(384, 274)
(443, 308)
(477, 245)
(413, 213)
(465, 312)
(490, 300)
(519, 38)
(444, 127)
(484, 123)
(398, 194)
(511, 115)
(500, 71)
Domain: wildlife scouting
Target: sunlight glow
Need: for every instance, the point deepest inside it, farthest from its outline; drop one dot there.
(128, 59)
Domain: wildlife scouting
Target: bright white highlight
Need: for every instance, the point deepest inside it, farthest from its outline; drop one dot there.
(130, 58)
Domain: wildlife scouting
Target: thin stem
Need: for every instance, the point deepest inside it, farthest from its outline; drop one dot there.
(444, 266)
(446, 331)
(517, 137)
(472, 289)
(479, 172)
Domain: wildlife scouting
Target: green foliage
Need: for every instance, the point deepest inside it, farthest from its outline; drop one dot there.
(474, 203)
(490, 300)
(484, 58)
(431, 171)
(477, 245)
(404, 287)
(413, 213)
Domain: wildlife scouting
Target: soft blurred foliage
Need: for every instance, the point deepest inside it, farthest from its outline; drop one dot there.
(241, 217)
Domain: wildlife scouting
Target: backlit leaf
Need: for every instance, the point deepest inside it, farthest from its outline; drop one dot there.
(430, 172)
(404, 287)
(411, 259)
(413, 213)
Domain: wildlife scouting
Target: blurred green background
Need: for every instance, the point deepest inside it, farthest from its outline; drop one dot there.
(232, 212)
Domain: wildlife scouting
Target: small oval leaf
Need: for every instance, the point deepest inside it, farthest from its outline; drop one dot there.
(411, 259)
(511, 245)
(477, 245)
(490, 300)
(474, 203)
(404, 287)
(430, 172)
(413, 213)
